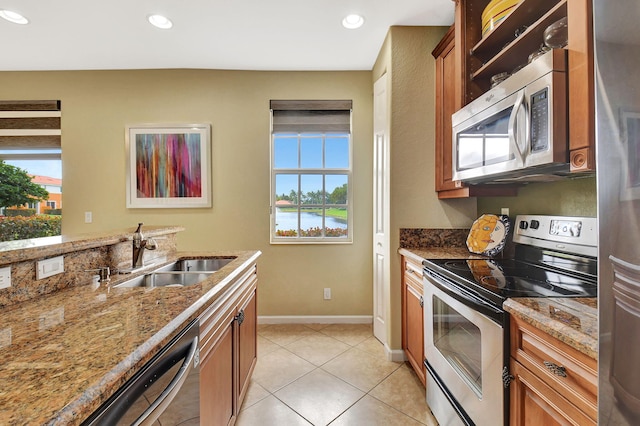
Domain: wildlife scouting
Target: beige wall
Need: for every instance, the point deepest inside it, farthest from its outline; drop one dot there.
(96, 107)
(406, 58)
(573, 197)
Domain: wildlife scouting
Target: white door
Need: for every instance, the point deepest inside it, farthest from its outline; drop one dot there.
(381, 274)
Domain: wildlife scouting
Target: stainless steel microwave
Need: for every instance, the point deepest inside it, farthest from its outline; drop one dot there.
(517, 131)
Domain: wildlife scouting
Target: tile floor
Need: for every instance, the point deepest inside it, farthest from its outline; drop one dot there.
(337, 374)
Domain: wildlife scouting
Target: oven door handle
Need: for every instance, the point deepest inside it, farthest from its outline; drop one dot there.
(465, 297)
(161, 403)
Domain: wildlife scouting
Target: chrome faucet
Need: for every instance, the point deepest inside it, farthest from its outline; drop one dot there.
(139, 245)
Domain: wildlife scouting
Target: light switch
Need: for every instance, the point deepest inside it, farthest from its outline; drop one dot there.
(49, 267)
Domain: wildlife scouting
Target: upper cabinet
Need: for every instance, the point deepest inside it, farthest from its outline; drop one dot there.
(465, 63)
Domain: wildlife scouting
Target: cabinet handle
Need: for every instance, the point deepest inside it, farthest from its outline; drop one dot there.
(240, 317)
(421, 302)
(556, 369)
(507, 378)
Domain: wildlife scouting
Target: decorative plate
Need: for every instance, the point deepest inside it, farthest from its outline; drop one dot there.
(488, 234)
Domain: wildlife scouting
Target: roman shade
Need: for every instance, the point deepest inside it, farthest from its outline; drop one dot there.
(30, 126)
(311, 116)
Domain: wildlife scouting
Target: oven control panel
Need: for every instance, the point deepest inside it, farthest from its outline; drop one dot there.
(558, 232)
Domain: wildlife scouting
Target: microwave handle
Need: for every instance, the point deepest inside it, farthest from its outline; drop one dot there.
(513, 128)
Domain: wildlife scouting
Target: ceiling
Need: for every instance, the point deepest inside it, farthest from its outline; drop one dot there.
(213, 34)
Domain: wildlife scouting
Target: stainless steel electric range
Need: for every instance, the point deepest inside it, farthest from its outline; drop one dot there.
(466, 328)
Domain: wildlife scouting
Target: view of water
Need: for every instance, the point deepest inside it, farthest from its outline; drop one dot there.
(289, 220)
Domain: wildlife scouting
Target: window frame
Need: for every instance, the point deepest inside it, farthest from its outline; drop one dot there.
(299, 171)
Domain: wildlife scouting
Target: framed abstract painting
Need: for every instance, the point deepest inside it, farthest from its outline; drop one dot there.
(169, 166)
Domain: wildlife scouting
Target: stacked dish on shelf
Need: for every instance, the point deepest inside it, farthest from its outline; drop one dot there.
(495, 12)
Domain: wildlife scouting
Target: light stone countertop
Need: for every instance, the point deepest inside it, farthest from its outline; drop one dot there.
(573, 321)
(34, 248)
(65, 353)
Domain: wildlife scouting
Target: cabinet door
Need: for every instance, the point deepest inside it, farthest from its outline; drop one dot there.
(446, 105)
(415, 331)
(535, 403)
(413, 317)
(216, 382)
(247, 344)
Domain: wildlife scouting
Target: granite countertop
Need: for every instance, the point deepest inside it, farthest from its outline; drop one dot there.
(573, 321)
(419, 254)
(34, 248)
(65, 353)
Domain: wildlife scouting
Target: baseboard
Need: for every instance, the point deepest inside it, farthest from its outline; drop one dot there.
(321, 319)
(395, 355)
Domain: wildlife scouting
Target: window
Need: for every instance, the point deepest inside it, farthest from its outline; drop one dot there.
(311, 172)
(30, 139)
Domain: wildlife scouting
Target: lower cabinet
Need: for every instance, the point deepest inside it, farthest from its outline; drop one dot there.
(228, 351)
(413, 316)
(553, 384)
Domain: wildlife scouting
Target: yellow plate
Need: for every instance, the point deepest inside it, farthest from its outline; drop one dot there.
(495, 12)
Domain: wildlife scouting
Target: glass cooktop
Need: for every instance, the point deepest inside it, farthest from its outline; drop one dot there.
(499, 279)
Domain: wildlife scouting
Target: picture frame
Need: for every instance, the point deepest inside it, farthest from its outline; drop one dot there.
(169, 165)
(630, 138)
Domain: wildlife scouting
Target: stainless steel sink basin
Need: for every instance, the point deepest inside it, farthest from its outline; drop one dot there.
(166, 278)
(183, 272)
(208, 264)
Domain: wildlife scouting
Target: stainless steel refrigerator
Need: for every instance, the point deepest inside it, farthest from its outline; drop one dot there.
(617, 75)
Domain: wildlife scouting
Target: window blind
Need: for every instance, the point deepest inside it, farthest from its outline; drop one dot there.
(29, 125)
(311, 115)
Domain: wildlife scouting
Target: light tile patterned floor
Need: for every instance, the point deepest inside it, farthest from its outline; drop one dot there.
(337, 374)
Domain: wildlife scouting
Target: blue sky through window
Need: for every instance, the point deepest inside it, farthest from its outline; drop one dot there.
(292, 151)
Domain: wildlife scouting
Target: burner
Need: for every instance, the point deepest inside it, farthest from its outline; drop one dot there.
(459, 265)
(509, 284)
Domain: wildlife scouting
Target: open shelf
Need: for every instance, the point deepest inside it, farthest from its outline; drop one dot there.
(496, 58)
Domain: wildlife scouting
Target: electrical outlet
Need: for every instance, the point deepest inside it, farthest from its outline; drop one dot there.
(327, 294)
(49, 267)
(88, 217)
(504, 211)
(5, 277)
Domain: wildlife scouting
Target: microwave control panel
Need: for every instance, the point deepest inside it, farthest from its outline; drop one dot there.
(540, 120)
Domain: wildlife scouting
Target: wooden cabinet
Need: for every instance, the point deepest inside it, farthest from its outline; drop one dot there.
(412, 316)
(553, 384)
(449, 100)
(500, 51)
(228, 350)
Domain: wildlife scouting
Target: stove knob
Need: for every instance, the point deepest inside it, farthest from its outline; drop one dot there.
(534, 224)
(524, 224)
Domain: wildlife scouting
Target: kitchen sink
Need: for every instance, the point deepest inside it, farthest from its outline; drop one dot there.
(210, 264)
(181, 273)
(166, 278)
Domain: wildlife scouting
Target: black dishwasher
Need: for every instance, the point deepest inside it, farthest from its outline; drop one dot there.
(166, 389)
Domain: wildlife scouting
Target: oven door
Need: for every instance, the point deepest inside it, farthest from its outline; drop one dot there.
(465, 355)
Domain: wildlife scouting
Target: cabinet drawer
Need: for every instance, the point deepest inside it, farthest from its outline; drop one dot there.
(571, 373)
(533, 402)
(412, 272)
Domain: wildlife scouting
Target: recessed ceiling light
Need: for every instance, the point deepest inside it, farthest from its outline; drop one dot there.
(353, 21)
(160, 21)
(14, 17)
